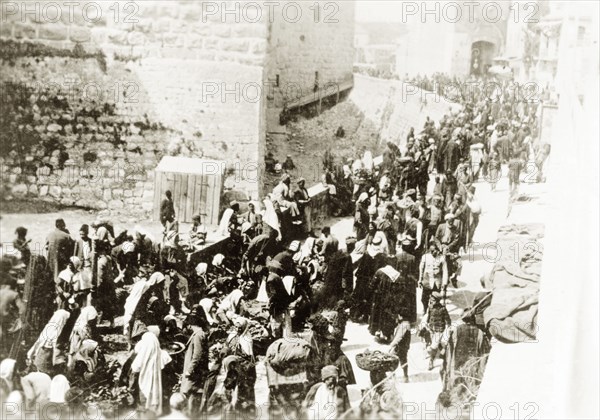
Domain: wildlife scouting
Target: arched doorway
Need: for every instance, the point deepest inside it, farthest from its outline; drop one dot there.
(482, 55)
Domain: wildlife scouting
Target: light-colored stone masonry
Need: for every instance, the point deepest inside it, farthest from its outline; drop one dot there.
(190, 72)
(321, 41)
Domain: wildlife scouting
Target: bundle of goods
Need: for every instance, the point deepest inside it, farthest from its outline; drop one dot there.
(288, 356)
(260, 337)
(255, 309)
(374, 361)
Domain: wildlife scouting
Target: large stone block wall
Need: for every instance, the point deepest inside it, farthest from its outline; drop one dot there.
(314, 37)
(187, 78)
(183, 75)
(393, 107)
(60, 145)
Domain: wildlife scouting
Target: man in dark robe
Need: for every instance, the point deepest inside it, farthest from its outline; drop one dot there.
(447, 236)
(339, 277)
(279, 301)
(195, 367)
(361, 217)
(60, 248)
(451, 156)
(361, 297)
(385, 287)
(167, 209)
(407, 266)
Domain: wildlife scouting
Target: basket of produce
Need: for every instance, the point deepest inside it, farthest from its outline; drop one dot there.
(377, 361)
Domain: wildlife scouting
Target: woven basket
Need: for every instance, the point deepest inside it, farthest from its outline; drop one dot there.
(377, 361)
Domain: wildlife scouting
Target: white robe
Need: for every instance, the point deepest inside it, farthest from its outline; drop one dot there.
(149, 362)
(224, 225)
(270, 217)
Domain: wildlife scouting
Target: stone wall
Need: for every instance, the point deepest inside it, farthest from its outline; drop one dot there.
(187, 78)
(170, 68)
(61, 147)
(393, 107)
(315, 37)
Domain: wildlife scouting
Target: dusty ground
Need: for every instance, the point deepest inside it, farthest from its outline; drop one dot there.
(38, 217)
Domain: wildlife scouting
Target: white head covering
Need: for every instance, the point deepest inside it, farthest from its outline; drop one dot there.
(218, 260)
(223, 229)
(201, 269)
(155, 278)
(207, 304)
(7, 370)
(86, 315)
(231, 301)
(50, 333)
(246, 226)
(270, 217)
(58, 388)
(149, 362)
(36, 387)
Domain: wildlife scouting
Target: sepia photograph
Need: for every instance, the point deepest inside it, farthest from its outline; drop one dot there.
(299, 210)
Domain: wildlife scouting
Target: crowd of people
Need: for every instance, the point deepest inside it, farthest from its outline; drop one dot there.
(415, 213)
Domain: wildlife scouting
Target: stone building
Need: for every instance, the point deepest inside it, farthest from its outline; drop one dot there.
(376, 46)
(98, 92)
(456, 38)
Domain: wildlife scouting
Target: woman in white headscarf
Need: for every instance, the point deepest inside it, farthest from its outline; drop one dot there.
(270, 217)
(231, 306)
(135, 295)
(45, 353)
(36, 387)
(307, 251)
(7, 373)
(217, 260)
(82, 330)
(87, 359)
(58, 388)
(148, 364)
(208, 306)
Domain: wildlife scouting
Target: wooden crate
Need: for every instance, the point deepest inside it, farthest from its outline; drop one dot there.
(196, 186)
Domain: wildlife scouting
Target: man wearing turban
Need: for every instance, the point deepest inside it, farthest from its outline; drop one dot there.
(326, 399)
